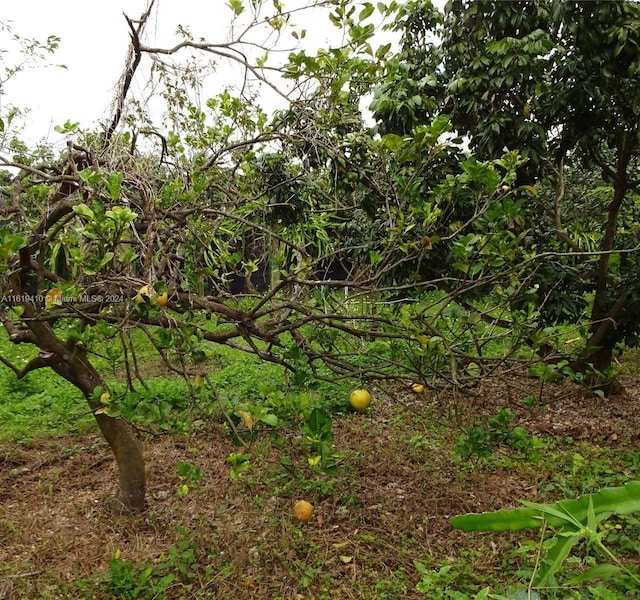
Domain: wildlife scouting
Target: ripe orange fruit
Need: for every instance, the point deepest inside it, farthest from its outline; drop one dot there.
(360, 399)
(142, 292)
(302, 510)
(147, 291)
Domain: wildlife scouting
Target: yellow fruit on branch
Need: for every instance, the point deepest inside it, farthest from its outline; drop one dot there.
(302, 510)
(52, 298)
(143, 293)
(153, 297)
(359, 399)
(163, 299)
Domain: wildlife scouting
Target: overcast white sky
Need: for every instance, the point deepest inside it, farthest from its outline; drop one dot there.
(94, 45)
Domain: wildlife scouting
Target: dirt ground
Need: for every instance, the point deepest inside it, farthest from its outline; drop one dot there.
(388, 507)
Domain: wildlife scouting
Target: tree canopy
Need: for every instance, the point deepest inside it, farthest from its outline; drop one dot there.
(556, 81)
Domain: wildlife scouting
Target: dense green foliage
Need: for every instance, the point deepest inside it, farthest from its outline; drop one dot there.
(556, 81)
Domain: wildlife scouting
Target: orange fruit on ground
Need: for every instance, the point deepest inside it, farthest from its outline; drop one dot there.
(360, 399)
(302, 510)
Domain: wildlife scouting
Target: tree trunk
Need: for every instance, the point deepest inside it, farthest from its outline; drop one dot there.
(130, 496)
(126, 448)
(128, 453)
(71, 362)
(599, 350)
(601, 361)
(605, 314)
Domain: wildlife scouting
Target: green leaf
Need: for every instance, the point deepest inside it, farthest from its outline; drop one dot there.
(121, 216)
(270, 419)
(318, 425)
(128, 256)
(105, 259)
(113, 184)
(90, 176)
(545, 575)
(392, 141)
(366, 12)
(239, 462)
(236, 6)
(598, 572)
(382, 51)
(82, 210)
(529, 189)
(619, 500)
(464, 267)
(10, 242)
(553, 511)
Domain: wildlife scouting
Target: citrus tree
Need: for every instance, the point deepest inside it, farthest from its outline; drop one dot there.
(141, 230)
(557, 81)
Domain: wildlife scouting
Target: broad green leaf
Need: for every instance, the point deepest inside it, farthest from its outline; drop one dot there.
(382, 51)
(121, 215)
(83, 210)
(128, 256)
(90, 176)
(464, 267)
(318, 425)
(393, 142)
(545, 575)
(619, 500)
(598, 572)
(553, 511)
(113, 184)
(366, 12)
(105, 259)
(270, 419)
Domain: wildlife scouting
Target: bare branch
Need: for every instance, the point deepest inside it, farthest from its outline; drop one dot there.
(132, 62)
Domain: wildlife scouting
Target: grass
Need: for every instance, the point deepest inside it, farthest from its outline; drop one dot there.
(41, 404)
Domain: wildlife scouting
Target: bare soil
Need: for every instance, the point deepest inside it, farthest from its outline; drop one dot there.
(388, 507)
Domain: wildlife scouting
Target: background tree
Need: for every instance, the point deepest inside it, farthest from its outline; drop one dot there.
(558, 81)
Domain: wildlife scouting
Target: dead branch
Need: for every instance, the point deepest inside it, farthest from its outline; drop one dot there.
(131, 65)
